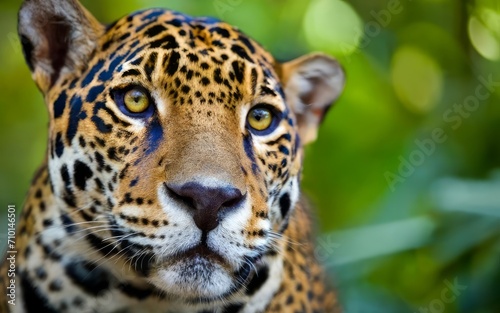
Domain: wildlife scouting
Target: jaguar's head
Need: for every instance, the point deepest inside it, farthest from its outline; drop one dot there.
(175, 143)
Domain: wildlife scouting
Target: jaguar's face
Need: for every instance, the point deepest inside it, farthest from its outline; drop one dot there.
(176, 146)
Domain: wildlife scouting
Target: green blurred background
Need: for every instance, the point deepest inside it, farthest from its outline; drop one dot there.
(406, 172)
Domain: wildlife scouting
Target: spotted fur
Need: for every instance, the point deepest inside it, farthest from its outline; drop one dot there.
(182, 208)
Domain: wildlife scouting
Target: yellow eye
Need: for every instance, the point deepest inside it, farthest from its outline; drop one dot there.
(260, 118)
(136, 100)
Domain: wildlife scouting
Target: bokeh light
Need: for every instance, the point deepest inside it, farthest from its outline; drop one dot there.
(417, 79)
(483, 39)
(333, 26)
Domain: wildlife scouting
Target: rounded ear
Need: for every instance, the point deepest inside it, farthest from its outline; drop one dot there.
(57, 37)
(311, 84)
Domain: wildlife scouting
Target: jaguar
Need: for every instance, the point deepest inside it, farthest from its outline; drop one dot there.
(172, 172)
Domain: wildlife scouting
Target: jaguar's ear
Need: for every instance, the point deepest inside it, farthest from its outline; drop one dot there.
(311, 82)
(57, 37)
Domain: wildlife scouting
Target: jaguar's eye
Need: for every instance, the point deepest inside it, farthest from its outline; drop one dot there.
(260, 118)
(136, 100)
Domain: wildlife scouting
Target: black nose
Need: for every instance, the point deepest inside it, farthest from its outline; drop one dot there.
(207, 202)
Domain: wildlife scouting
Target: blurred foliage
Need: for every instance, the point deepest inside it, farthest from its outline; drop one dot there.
(404, 213)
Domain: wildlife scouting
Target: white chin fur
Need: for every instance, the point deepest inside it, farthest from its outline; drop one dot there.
(194, 278)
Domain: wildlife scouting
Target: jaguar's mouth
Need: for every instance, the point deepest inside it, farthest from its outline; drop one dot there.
(200, 251)
(201, 274)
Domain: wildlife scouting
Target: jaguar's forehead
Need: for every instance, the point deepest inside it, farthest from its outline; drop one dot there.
(204, 41)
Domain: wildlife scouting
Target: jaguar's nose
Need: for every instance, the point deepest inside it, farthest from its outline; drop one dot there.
(208, 203)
